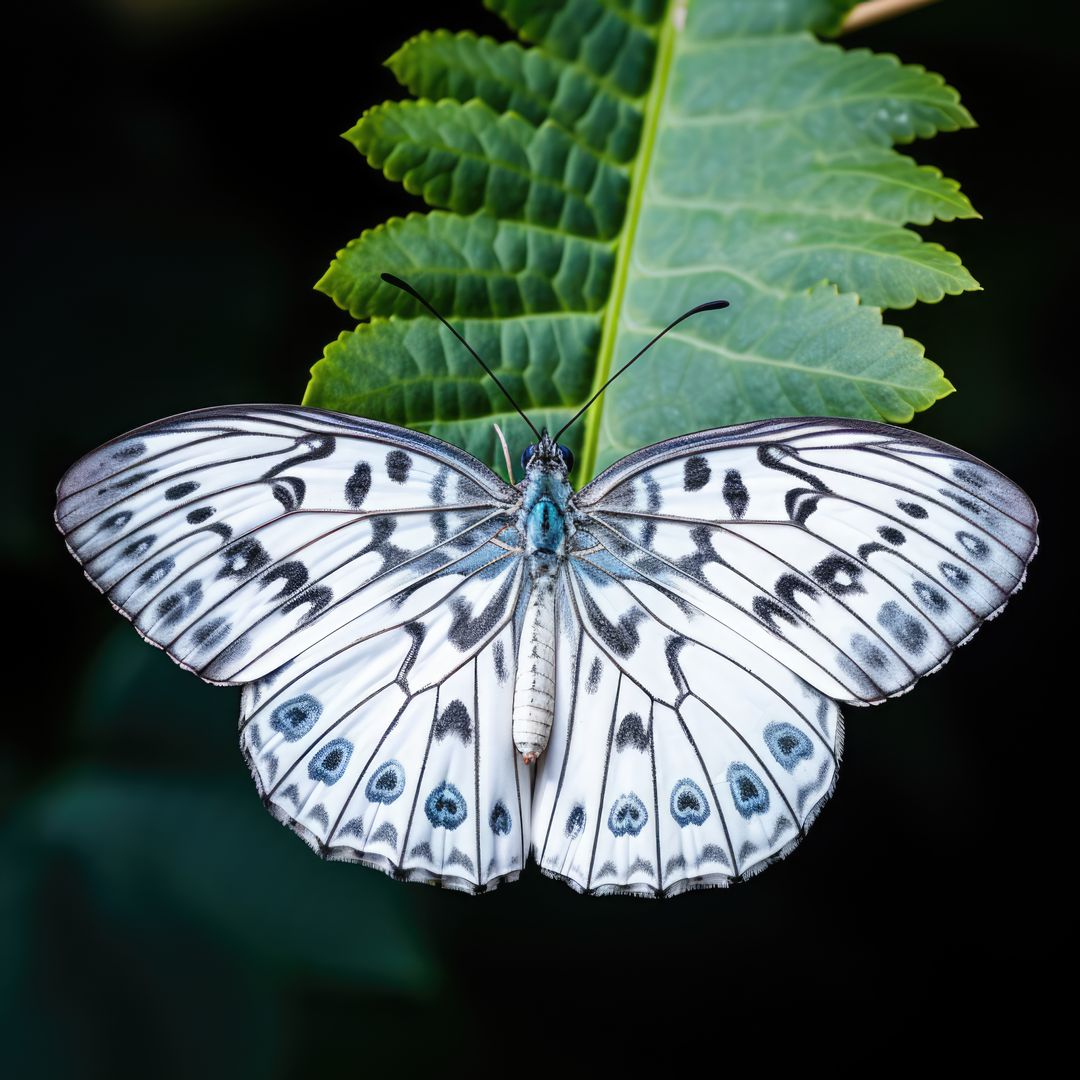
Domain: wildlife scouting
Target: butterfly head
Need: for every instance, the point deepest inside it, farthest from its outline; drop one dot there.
(547, 454)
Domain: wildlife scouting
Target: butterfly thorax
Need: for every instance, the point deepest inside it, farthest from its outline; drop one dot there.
(544, 523)
(545, 527)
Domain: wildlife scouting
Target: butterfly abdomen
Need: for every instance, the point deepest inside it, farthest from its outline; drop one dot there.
(534, 692)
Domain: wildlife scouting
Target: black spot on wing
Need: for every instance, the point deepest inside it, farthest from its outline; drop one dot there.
(595, 671)
(454, 720)
(962, 500)
(676, 862)
(210, 633)
(870, 653)
(178, 605)
(243, 558)
(800, 503)
(382, 528)
(358, 485)
(316, 598)
(695, 564)
(197, 517)
(839, 574)
(970, 476)
(955, 575)
(385, 834)
(713, 853)
(654, 499)
(398, 464)
(913, 510)
(438, 485)
(780, 457)
(131, 450)
(696, 473)
(126, 482)
(632, 733)
(467, 630)
(891, 535)
(975, 546)
(768, 611)
(158, 572)
(622, 637)
(866, 550)
(903, 627)
(294, 574)
(178, 491)
(498, 656)
(672, 647)
(930, 597)
(736, 497)
(289, 491)
(788, 586)
(309, 448)
(115, 521)
(139, 547)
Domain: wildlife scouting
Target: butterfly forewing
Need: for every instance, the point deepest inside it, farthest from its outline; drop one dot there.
(234, 538)
(858, 554)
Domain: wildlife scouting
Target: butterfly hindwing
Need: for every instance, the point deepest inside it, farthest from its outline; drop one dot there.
(395, 751)
(650, 785)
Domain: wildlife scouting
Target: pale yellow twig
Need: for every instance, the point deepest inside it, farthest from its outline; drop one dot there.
(874, 11)
(506, 452)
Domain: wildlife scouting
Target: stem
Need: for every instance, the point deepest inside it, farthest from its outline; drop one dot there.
(875, 11)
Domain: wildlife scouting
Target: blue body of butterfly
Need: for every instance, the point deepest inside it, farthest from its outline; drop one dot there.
(547, 494)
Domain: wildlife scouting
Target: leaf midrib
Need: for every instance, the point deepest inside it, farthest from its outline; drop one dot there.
(654, 104)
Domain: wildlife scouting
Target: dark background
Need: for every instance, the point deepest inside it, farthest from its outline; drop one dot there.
(177, 186)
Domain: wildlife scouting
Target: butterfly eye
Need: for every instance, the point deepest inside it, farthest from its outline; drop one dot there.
(527, 455)
(568, 458)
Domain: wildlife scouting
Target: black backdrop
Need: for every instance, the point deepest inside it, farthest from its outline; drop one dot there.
(179, 185)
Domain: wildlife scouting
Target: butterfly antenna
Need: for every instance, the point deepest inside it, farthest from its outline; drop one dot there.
(712, 305)
(404, 286)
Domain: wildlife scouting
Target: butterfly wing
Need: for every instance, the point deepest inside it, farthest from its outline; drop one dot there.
(729, 588)
(360, 581)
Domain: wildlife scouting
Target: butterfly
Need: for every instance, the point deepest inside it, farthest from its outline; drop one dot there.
(638, 683)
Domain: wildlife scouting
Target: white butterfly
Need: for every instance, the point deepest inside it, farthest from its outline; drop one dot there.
(668, 648)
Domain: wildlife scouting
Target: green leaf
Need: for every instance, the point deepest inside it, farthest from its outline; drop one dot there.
(624, 162)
